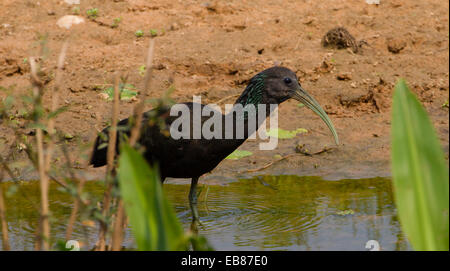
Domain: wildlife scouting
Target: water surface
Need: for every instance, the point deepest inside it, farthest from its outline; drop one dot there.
(263, 213)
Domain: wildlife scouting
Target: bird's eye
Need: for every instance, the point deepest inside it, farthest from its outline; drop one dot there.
(287, 80)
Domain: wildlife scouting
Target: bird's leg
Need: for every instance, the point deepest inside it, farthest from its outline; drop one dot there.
(193, 199)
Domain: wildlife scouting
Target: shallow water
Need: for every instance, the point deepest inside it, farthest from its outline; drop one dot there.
(263, 213)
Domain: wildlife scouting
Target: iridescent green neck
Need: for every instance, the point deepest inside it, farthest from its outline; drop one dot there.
(253, 93)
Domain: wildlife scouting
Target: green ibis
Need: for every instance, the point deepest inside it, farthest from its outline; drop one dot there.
(191, 158)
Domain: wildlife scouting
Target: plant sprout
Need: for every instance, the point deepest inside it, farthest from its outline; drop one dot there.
(139, 33)
(92, 13)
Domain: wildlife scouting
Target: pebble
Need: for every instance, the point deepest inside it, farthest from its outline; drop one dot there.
(395, 45)
(344, 76)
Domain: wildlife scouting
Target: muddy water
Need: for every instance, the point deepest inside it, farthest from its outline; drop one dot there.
(264, 213)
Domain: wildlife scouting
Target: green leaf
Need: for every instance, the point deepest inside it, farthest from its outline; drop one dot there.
(345, 212)
(139, 33)
(68, 136)
(153, 220)
(285, 134)
(238, 154)
(420, 174)
(57, 112)
(142, 69)
(153, 32)
(127, 91)
(92, 13)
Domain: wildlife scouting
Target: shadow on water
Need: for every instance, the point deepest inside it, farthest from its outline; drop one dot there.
(263, 213)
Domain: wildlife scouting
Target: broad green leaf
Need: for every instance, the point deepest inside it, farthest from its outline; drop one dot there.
(420, 174)
(152, 218)
(238, 154)
(285, 134)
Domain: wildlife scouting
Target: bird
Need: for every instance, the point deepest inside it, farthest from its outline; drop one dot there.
(193, 157)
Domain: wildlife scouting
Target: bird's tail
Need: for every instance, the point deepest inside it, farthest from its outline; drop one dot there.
(98, 157)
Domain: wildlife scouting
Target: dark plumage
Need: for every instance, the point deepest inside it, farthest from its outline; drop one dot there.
(191, 158)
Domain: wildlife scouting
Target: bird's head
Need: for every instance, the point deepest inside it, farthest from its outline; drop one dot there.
(278, 84)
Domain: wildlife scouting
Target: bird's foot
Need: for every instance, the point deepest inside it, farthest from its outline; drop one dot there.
(195, 215)
(195, 224)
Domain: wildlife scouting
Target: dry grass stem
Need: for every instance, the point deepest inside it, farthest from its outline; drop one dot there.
(270, 164)
(112, 137)
(4, 224)
(76, 206)
(43, 233)
(139, 109)
(119, 225)
(55, 98)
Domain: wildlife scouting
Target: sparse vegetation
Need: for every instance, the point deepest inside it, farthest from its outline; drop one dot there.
(111, 214)
(92, 13)
(116, 22)
(127, 92)
(142, 70)
(139, 33)
(76, 10)
(153, 32)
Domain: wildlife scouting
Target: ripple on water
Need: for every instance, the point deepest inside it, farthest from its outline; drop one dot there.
(267, 212)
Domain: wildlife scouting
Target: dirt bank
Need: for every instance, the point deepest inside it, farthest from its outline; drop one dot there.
(211, 48)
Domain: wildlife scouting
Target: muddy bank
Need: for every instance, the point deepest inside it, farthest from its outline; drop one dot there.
(212, 48)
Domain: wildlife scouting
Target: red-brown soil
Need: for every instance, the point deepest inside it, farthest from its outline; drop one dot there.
(211, 48)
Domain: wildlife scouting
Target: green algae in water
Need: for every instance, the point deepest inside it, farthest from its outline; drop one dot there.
(263, 213)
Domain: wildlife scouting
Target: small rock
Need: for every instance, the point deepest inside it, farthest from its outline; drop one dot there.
(340, 38)
(73, 90)
(72, 2)
(309, 20)
(373, 2)
(174, 27)
(159, 67)
(68, 20)
(344, 76)
(104, 95)
(395, 45)
(21, 146)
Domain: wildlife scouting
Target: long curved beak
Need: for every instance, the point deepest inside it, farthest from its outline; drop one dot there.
(301, 95)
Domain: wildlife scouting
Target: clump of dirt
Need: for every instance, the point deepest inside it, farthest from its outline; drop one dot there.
(10, 64)
(374, 100)
(340, 38)
(395, 45)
